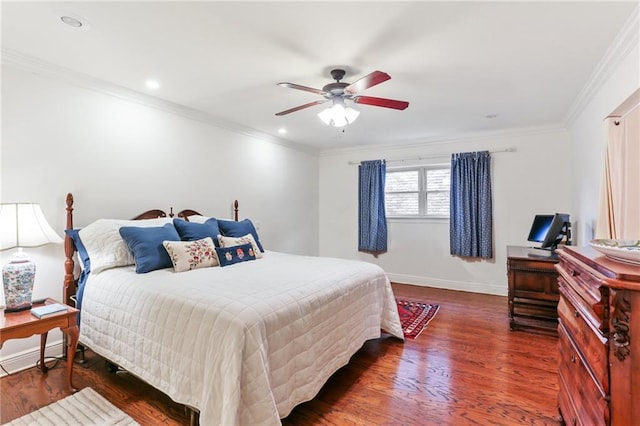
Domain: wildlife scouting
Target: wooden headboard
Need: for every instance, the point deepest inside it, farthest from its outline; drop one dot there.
(70, 282)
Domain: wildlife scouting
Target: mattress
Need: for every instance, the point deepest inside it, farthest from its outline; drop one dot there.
(243, 344)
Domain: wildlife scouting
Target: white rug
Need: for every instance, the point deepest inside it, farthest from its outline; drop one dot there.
(84, 408)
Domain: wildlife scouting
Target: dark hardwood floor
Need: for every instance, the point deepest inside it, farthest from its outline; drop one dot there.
(466, 368)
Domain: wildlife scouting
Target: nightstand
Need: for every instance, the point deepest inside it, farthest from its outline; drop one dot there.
(18, 325)
(533, 289)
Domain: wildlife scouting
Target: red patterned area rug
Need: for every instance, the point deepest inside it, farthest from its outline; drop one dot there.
(415, 316)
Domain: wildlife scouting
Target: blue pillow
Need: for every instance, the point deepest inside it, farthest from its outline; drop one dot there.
(82, 251)
(230, 228)
(230, 255)
(145, 244)
(190, 231)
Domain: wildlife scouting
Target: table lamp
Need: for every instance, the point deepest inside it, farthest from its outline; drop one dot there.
(22, 225)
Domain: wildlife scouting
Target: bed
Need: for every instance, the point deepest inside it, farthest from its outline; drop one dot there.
(241, 344)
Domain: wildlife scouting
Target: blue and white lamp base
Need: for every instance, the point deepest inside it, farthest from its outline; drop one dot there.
(17, 278)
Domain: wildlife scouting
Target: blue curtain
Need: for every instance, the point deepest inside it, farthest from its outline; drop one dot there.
(372, 220)
(471, 217)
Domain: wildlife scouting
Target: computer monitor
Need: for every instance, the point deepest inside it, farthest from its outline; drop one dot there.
(560, 227)
(540, 227)
(550, 230)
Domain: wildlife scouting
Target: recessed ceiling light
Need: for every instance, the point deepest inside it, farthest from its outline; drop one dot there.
(282, 130)
(71, 21)
(153, 84)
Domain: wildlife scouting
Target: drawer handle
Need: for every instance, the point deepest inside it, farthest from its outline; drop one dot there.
(573, 359)
(576, 313)
(574, 273)
(574, 422)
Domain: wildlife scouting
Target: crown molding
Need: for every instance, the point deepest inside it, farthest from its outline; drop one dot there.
(467, 137)
(625, 42)
(37, 66)
(631, 103)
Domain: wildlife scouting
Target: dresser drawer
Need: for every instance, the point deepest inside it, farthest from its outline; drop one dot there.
(532, 279)
(580, 395)
(588, 286)
(567, 410)
(591, 343)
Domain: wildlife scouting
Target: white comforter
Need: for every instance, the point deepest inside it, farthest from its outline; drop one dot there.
(243, 344)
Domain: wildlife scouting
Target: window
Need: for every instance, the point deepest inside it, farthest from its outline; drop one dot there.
(418, 192)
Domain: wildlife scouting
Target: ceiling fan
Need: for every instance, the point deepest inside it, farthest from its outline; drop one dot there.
(339, 114)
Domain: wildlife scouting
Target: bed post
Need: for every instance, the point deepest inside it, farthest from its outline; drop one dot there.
(235, 210)
(69, 288)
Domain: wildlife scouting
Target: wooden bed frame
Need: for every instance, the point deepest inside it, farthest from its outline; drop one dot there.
(70, 285)
(70, 288)
(70, 282)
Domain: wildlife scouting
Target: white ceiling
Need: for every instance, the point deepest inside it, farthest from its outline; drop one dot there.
(455, 62)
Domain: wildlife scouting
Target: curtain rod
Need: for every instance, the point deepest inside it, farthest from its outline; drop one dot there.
(424, 157)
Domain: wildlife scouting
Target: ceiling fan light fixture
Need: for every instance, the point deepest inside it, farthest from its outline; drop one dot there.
(351, 114)
(326, 116)
(338, 115)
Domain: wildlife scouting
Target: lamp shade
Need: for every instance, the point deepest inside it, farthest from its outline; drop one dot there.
(338, 115)
(24, 225)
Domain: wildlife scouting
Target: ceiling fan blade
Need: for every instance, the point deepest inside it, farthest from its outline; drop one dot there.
(381, 102)
(305, 88)
(367, 81)
(298, 108)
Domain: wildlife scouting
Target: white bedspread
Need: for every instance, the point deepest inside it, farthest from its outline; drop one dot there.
(243, 344)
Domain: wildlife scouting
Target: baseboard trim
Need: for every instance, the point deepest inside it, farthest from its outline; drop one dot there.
(28, 358)
(483, 288)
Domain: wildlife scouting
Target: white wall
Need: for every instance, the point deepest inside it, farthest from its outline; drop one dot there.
(588, 135)
(557, 171)
(120, 157)
(531, 180)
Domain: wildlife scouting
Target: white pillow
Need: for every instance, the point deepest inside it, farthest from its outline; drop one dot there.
(187, 255)
(196, 218)
(236, 241)
(105, 246)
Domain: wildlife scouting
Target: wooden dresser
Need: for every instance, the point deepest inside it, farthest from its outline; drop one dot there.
(599, 371)
(533, 289)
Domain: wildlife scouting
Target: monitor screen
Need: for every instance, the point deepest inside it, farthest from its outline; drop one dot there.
(540, 227)
(558, 230)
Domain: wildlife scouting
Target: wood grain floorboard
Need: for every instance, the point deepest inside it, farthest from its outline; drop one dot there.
(466, 368)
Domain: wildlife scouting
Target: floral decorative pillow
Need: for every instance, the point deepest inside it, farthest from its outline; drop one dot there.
(230, 255)
(188, 255)
(236, 241)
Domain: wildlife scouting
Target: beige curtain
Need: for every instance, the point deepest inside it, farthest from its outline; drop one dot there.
(619, 213)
